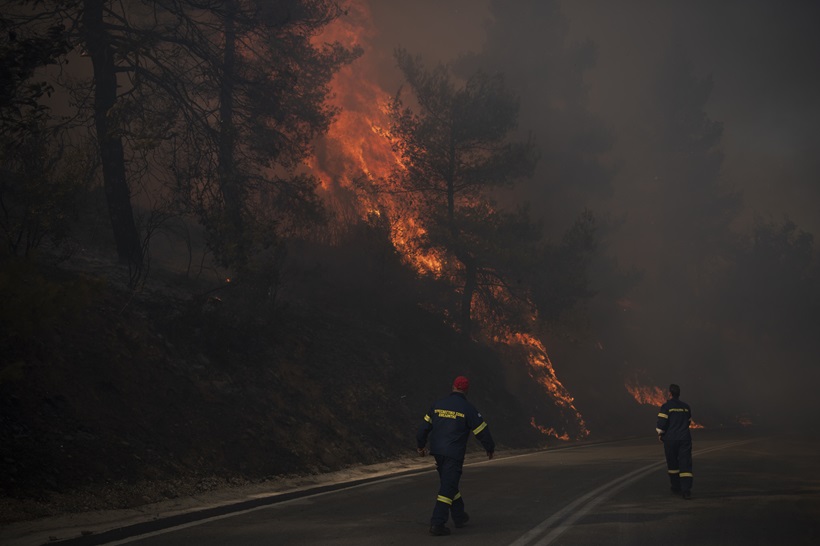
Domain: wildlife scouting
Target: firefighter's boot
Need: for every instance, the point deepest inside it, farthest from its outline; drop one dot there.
(459, 523)
(439, 530)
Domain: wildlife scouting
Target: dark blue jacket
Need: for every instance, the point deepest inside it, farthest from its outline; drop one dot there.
(449, 423)
(673, 420)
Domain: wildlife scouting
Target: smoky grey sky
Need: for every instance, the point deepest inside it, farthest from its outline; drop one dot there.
(762, 55)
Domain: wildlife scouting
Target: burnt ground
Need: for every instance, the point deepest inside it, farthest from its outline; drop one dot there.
(113, 399)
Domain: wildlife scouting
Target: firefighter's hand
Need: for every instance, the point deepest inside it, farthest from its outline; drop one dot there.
(490, 455)
(660, 438)
(422, 451)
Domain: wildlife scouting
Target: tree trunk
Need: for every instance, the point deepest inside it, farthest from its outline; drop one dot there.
(451, 185)
(228, 179)
(117, 193)
(470, 284)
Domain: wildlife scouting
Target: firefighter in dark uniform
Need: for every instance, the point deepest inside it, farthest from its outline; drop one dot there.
(674, 419)
(449, 423)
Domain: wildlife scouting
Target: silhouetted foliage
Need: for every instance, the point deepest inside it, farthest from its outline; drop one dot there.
(496, 246)
(253, 90)
(204, 108)
(22, 52)
(562, 278)
(455, 146)
(38, 184)
(41, 184)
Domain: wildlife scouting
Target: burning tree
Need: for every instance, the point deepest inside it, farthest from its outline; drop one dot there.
(454, 147)
(253, 87)
(428, 165)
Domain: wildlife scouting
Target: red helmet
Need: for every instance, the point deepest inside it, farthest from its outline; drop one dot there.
(461, 383)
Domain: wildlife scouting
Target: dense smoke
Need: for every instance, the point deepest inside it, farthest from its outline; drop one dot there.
(686, 129)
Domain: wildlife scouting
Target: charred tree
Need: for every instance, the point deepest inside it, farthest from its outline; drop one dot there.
(470, 285)
(227, 176)
(109, 138)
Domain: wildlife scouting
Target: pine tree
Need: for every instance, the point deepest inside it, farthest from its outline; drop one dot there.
(456, 147)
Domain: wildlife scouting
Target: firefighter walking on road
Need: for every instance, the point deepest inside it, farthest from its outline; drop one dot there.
(674, 419)
(449, 423)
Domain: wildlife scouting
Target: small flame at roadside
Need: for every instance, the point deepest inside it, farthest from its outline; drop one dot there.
(650, 395)
(548, 431)
(646, 394)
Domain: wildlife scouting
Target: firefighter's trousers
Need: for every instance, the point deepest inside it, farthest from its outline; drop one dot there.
(679, 463)
(449, 499)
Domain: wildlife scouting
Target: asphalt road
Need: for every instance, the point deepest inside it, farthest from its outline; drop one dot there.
(748, 490)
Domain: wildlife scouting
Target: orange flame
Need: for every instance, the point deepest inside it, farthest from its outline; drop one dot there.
(355, 159)
(646, 394)
(542, 371)
(548, 431)
(651, 396)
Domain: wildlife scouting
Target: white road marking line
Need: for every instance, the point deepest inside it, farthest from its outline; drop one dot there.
(545, 525)
(291, 501)
(254, 509)
(595, 497)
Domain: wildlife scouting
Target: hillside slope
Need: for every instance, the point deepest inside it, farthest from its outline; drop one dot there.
(113, 399)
